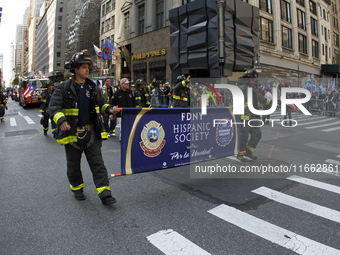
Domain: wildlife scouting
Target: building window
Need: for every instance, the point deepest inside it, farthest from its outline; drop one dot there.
(266, 5)
(336, 57)
(285, 11)
(159, 13)
(58, 64)
(103, 27)
(325, 33)
(60, 27)
(315, 49)
(61, 9)
(58, 45)
(301, 2)
(58, 54)
(303, 43)
(113, 24)
(301, 19)
(60, 18)
(314, 26)
(103, 9)
(266, 30)
(287, 37)
(335, 22)
(336, 39)
(59, 36)
(126, 25)
(312, 7)
(113, 4)
(141, 18)
(187, 1)
(107, 24)
(108, 6)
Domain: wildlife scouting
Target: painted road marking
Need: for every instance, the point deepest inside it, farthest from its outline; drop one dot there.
(171, 242)
(271, 232)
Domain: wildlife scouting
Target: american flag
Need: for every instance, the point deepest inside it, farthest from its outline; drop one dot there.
(28, 90)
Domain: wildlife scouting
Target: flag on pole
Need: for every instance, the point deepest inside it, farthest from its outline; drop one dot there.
(265, 84)
(107, 49)
(97, 51)
(28, 90)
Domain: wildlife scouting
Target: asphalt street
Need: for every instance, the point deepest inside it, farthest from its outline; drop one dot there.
(169, 211)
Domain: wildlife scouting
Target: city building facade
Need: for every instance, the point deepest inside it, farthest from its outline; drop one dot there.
(51, 39)
(297, 38)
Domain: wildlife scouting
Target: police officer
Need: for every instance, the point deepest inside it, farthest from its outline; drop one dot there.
(3, 103)
(247, 147)
(181, 92)
(75, 107)
(141, 95)
(46, 97)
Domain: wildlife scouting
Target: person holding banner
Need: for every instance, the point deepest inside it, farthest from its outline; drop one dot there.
(248, 145)
(180, 96)
(75, 107)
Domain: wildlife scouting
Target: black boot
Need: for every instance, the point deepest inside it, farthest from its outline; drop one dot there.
(79, 195)
(106, 198)
(241, 158)
(250, 154)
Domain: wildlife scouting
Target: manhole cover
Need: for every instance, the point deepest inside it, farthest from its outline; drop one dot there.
(22, 132)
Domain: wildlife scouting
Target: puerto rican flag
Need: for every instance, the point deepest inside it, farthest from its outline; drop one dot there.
(28, 90)
(97, 51)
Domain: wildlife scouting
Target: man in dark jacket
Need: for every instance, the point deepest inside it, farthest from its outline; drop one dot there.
(123, 97)
(248, 144)
(46, 98)
(181, 92)
(75, 107)
(3, 102)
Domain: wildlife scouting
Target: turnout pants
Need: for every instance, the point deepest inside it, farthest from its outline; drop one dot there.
(2, 112)
(254, 133)
(45, 120)
(95, 160)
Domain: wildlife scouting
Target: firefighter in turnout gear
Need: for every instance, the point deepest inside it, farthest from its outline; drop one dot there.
(248, 144)
(181, 92)
(141, 95)
(46, 98)
(75, 107)
(3, 105)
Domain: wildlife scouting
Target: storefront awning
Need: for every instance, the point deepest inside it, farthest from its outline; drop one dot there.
(330, 69)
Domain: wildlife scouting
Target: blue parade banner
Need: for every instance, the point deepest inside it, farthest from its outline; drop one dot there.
(159, 138)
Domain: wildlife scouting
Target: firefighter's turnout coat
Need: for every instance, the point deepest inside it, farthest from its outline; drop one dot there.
(181, 95)
(64, 106)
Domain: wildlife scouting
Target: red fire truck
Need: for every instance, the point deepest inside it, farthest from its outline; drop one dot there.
(30, 90)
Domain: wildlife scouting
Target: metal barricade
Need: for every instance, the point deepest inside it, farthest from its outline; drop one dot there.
(317, 106)
(331, 108)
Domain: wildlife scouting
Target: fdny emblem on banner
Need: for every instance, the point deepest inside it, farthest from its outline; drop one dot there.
(224, 133)
(152, 139)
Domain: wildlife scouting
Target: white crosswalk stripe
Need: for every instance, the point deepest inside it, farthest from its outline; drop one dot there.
(311, 121)
(298, 203)
(12, 122)
(271, 232)
(28, 119)
(171, 242)
(315, 184)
